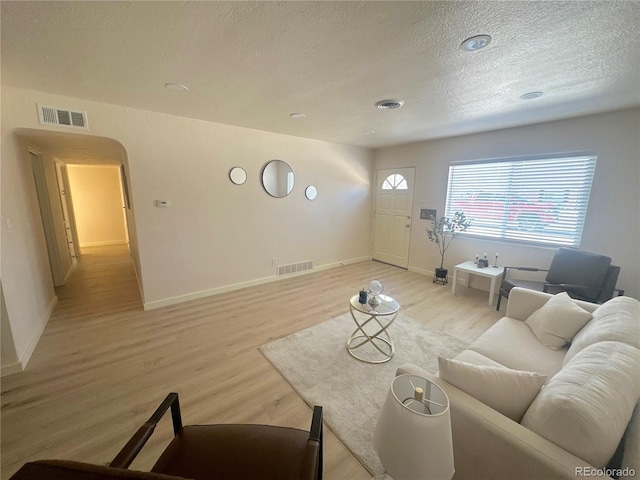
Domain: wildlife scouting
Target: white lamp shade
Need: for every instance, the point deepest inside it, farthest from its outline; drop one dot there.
(414, 445)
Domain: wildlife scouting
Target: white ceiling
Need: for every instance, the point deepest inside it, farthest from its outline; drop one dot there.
(253, 63)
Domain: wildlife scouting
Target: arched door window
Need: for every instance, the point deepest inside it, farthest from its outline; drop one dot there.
(394, 182)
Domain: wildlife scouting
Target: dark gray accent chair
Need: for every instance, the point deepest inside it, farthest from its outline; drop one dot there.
(583, 275)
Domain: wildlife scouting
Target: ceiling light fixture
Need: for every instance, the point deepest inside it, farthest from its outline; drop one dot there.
(475, 43)
(531, 95)
(390, 104)
(297, 115)
(369, 132)
(176, 87)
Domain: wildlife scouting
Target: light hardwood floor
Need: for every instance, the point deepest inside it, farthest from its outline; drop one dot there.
(103, 364)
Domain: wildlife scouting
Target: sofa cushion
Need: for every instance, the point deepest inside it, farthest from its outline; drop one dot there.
(586, 407)
(507, 391)
(557, 321)
(511, 343)
(475, 358)
(631, 455)
(616, 320)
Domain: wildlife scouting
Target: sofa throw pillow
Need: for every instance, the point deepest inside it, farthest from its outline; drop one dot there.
(557, 321)
(586, 406)
(507, 391)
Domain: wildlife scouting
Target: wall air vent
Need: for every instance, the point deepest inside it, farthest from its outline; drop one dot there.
(295, 267)
(62, 117)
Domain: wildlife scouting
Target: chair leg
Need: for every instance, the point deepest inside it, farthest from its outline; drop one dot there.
(499, 298)
(317, 433)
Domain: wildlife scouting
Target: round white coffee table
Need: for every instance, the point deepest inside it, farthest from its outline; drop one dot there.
(378, 319)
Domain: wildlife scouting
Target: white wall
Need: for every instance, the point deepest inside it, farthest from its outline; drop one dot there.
(26, 276)
(612, 223)
(9, 362)
(97, 204)
(215, 235)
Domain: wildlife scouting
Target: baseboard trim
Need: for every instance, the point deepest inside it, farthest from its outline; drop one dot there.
(35, 338)
(135, 271)
(237, 286)
(421, 271)
(103, 244)
(479, 283)
(74, 264)
(11, 369)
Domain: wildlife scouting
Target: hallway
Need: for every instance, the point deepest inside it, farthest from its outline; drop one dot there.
(103, 364)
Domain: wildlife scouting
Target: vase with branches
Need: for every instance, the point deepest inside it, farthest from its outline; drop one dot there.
(442, 232)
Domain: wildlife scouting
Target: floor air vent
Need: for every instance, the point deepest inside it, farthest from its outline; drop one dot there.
(295, 267)
(61, 116)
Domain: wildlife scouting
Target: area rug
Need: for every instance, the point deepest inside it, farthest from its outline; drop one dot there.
(316, 363)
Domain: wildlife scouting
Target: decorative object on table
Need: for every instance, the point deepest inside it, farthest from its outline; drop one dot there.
(375, 289)
(362, 298)
(495, 265)
(442, 232)
(413, 433)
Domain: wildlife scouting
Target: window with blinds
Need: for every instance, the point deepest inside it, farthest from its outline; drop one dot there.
(535, 199)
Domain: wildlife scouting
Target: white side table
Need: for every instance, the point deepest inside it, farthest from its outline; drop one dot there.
(470, 268)
(383, 315)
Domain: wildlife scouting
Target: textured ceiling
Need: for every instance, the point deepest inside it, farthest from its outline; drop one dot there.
(253, 63)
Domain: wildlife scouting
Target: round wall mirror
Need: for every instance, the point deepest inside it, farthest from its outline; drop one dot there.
(238, 175)
(311, 192)
(277, 178)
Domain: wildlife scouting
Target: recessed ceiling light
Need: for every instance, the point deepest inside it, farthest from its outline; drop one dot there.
(297, 115)
(531, 95)
(475, 43)
(389, 104)
(369, 132)
(176, 87)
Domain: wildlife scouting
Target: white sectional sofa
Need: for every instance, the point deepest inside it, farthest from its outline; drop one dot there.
(544, 395)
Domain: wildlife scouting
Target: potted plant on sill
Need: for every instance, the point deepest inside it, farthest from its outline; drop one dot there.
(442, 232)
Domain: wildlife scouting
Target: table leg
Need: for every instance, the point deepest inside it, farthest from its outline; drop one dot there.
(492, 291)
(455, 281)
(360, 333)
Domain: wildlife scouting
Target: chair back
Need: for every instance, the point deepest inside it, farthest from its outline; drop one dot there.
(585, 272)
(609, 284)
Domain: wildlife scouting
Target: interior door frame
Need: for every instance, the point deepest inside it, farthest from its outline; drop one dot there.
(67, 207)
(35, 159)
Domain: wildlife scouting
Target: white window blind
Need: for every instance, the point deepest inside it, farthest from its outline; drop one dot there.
(539, 200)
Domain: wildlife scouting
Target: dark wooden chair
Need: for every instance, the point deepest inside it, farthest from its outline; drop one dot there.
(204, 452)
(583, 275)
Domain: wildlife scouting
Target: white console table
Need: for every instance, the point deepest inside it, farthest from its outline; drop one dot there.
(470, 268)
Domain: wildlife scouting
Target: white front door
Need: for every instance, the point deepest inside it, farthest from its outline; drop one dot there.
(392, 217)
